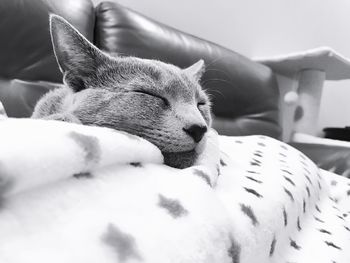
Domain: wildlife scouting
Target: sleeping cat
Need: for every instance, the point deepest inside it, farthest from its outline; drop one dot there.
(154, 100)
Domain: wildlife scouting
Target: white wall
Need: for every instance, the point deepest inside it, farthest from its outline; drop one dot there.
(266, 27)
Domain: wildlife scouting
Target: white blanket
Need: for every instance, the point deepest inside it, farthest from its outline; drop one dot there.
(71, 193)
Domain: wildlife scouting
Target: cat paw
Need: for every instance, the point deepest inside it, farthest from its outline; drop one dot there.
(66, 117)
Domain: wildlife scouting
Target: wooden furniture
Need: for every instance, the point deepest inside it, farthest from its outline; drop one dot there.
(301, 77)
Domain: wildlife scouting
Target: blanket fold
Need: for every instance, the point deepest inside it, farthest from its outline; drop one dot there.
(56, 150)
(71, 193)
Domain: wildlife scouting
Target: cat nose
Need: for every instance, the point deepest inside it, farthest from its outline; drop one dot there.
(196, 132)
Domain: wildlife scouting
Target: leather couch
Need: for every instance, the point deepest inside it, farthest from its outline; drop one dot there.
(244, 93)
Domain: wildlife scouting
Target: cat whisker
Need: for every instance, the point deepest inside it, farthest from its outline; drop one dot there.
(211, 96)
(217, 79)
(221, 71)
(151, 134)
(208, 64)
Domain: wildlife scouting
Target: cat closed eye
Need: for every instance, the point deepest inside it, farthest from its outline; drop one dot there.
(200, 104)
(166, 102)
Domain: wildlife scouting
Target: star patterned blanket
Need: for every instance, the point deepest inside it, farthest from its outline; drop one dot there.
(71, 193)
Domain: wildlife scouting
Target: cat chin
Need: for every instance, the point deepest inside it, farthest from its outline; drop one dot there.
(176, 145)
(180, 160)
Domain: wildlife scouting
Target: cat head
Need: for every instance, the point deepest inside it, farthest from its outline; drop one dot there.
(154, 100)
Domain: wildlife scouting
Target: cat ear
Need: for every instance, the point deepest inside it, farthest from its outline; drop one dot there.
(76, 56)
(196, 70)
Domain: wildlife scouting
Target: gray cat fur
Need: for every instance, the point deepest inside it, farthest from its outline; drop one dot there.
(148, 98)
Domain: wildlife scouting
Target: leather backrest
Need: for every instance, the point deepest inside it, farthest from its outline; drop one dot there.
(244, 93)
(26, 54)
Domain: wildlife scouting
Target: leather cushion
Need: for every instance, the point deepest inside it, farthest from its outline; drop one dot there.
(19, 97)
(25, 48)
(26, 55)
(244, 93)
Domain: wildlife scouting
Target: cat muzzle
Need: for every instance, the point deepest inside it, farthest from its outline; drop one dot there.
(196, 132)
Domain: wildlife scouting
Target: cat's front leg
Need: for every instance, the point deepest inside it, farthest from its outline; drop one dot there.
(51, 106)
(51, 103)
(67, 117)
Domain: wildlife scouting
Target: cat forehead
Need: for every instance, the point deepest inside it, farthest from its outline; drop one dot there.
(150, 74)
